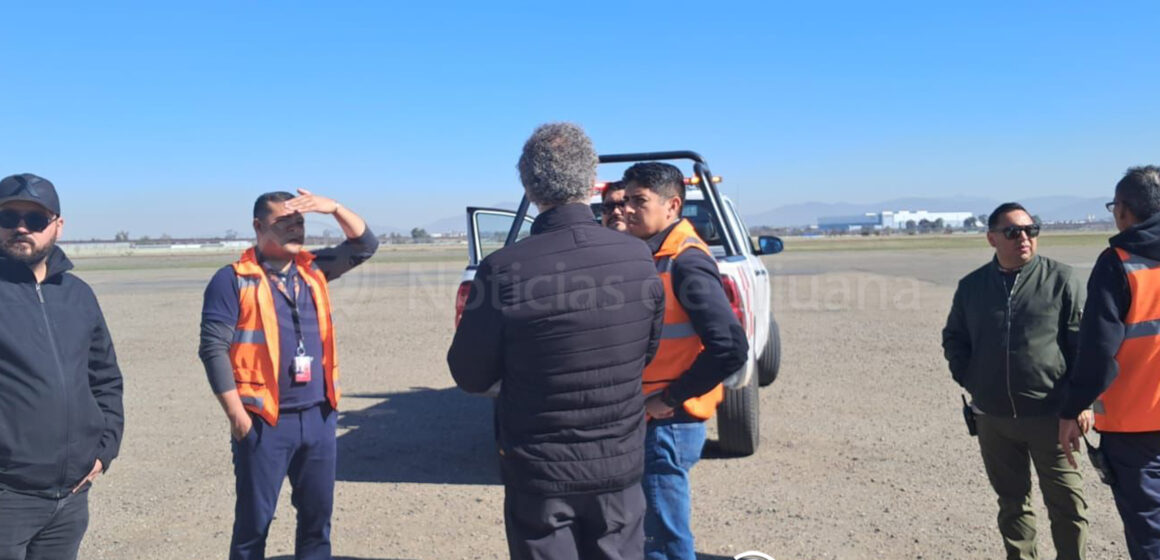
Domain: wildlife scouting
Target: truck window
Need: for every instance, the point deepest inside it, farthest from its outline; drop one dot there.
(745, 236)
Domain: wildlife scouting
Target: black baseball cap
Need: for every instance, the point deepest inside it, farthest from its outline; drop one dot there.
(30, 188)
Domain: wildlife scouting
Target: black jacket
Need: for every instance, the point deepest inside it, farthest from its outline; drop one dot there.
(567, 319)
(697, 286)
(60, 387)
(1011, 349)
(1102, 329)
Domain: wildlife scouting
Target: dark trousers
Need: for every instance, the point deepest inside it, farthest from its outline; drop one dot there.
(35, 528)
(1135, 459)
(606, 526)
(302, 446)
(1009, 447)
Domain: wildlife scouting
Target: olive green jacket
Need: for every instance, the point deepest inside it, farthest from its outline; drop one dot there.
(1009, 351)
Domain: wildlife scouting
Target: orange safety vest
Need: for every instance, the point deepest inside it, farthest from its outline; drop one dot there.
(680, 344)
(1132, 402)
(255, 353)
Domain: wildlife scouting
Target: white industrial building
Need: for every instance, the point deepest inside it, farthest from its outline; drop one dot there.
(898, 220)
(890, 219)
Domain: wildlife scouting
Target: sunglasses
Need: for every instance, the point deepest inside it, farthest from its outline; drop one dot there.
(34, 221)
(1012, 232)
(610, 206)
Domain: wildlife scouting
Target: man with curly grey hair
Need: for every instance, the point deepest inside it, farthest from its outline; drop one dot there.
(567, 319)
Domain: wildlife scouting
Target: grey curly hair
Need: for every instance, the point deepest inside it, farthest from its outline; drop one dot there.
(558, 165)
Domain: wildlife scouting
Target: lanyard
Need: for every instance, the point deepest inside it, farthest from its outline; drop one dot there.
(291, 293)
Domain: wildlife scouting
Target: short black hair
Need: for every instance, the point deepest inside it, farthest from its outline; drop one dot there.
(262, 205)
(1004, 208)
(665, 179)
(611, 187)
(1139, 191)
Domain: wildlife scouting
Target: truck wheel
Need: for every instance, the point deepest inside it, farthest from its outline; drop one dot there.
(739, 421)
(770, 362)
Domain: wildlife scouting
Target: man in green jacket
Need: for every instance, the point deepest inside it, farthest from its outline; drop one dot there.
(1010, 339)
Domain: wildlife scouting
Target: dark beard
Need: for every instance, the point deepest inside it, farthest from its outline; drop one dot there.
(30, 259)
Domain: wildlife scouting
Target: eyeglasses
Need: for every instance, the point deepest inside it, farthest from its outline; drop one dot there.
(1012, 232)
(609, 207)
(1111, 206)
(34, 221)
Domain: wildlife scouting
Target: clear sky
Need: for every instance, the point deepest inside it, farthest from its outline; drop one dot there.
(166, 117)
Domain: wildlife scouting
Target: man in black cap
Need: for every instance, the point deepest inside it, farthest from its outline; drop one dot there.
(60, 388)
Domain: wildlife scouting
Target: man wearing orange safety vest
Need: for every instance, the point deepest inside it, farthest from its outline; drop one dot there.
(268, 346)
(1118, 367)
(702, 343)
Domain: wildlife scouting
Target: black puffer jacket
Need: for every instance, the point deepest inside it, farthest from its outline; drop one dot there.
(567, 319)
(60, 387)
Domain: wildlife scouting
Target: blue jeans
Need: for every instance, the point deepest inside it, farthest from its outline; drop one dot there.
(303, 447)
(35, 528)
(671, 448)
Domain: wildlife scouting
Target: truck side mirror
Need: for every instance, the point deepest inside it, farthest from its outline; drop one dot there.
(770, 244)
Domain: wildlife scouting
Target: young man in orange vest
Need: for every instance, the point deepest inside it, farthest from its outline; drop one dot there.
(702, 343)
(267, 342)
(1118, 369)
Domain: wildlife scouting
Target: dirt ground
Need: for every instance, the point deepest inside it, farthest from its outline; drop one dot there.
(863, 454)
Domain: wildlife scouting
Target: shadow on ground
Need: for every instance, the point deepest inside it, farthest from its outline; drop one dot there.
(712, 450)
(429, 436)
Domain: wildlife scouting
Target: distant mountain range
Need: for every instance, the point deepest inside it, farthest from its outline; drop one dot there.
(1048, 208)
(458, 223)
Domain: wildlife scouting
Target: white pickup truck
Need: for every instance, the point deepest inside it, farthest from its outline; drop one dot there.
(744, 276)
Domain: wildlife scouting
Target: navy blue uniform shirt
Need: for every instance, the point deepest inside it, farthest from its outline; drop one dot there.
(219, 318)
(221, 305)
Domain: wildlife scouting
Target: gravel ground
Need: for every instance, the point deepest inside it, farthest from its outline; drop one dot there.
(863, 454)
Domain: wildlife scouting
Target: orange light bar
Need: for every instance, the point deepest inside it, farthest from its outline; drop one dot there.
(696, 179)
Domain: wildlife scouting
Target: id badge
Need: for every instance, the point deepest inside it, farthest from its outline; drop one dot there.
(302, 368)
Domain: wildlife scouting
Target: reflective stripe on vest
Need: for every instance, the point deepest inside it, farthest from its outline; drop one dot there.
(254, 352)
(243, 336)
(1132, 402)
(678, 330)
(680, 345)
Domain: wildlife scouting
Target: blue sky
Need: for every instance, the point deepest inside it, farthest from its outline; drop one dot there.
(166, 117)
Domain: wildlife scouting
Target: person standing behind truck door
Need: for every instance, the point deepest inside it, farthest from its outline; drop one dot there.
(567, 319)
(268, 346)
(612, 207)
(702, 343)
(1119, 360)
(1010, 340)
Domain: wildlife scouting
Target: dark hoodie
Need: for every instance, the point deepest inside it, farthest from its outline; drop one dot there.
(60, 387)
(1102, 329)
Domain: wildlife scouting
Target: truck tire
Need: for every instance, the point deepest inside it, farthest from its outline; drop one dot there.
(770, 362)
(739, 420)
